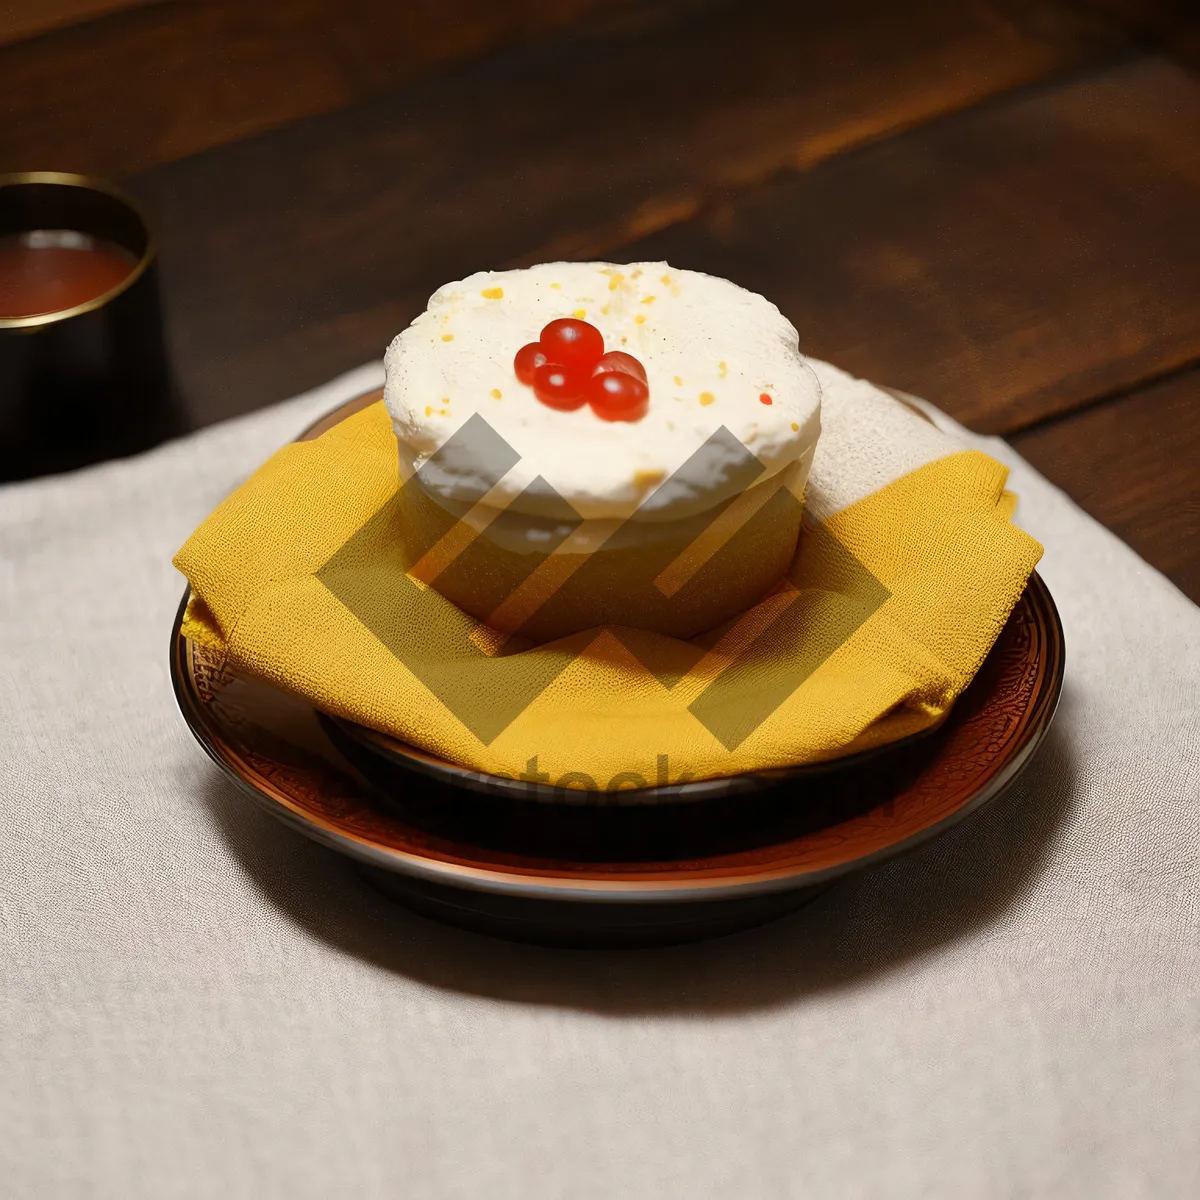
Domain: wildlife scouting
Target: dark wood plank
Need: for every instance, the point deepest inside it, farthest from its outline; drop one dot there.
(1185, 45)
(27, 18)
(137, 88)
(1134, 464)
(1169, 27)
(1007, 264)
(301, 252)
(1147, 18)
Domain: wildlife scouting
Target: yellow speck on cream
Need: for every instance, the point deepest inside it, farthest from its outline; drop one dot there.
(648, 300)
(615, 282)
(636, 274)
(640, 319)
(723, 369)
(645, 479)
(496, 393)
(580, 313)
(492, 293)
(447, 337)
(557, 286)
(429, 410)
(795, 427)
(678, 381)
(706, 398)
(604, 311)
(665, 279)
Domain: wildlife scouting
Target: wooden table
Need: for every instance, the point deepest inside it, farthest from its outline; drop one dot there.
(995, 204)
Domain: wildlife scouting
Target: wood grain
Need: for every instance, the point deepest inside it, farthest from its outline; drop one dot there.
(1170, 27)
(301, 252)
(1134, 464)
(1011, 263)
(148, 86)
(27, 18)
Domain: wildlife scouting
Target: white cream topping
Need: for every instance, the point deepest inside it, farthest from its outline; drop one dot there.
(710, 350)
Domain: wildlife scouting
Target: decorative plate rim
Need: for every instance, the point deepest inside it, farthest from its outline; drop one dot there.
(578, 885)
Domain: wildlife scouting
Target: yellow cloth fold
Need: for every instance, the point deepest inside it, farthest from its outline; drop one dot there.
(889, 609)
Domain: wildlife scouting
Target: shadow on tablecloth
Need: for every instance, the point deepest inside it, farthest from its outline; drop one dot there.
(945, 891)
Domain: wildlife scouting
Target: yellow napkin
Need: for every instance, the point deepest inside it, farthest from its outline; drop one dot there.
(907, 568)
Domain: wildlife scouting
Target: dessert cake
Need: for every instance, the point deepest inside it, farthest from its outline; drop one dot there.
(616, 444)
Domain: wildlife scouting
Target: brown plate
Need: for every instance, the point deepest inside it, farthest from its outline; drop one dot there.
(622, 875)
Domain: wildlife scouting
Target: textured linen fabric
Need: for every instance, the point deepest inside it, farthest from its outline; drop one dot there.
(196, 1001)
(903, 588)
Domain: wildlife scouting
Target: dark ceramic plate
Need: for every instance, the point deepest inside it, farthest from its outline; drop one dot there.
(738, 854)
(366, 747)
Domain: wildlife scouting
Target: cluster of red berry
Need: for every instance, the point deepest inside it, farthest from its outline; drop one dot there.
(568, 368)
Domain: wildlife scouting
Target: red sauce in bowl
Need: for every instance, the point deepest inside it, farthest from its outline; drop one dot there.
(49, 271)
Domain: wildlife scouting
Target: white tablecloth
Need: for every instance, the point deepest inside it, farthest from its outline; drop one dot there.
(198, 1002)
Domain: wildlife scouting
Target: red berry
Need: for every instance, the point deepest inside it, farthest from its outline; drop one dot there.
(560, 387)
(528, 359)
(765, 399)
(615, 396)
(572, 343)
(618, 360)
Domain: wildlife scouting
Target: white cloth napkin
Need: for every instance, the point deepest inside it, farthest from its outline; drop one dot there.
(197, 1001)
